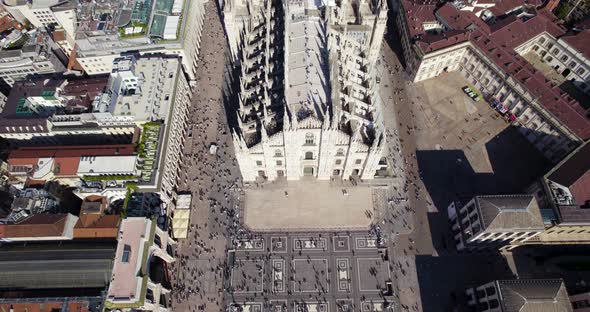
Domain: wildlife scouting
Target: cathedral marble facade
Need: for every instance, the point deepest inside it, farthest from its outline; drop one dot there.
(308, 98)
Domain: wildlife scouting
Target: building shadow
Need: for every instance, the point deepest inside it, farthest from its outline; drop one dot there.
(569, 87)
(449, 176)
(391, 37)
(570, 262)
(443, 280)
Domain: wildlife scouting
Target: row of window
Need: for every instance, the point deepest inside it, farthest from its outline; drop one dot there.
(309, 156)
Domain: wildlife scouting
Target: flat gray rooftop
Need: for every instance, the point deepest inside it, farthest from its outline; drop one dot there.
(53, 266)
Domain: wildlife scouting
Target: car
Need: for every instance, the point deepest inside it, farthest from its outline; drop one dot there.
(471, 93)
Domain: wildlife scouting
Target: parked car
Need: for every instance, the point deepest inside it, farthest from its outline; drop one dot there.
(471, 93)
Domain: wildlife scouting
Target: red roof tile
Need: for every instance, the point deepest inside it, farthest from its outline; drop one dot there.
(579, 41)
(41, 225)
(498, 42)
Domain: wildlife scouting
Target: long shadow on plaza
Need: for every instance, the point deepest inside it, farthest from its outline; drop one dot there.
(448, 175)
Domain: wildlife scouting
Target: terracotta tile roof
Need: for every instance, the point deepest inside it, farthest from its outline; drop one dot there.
(80, 306)
(418, 12)
(433, 42)
(66, 158)
(72, 151)
(58, 35)
(40, 225)
(458, 20)
(579, 41)
(97, 226)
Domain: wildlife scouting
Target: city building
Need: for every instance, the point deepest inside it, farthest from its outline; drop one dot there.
(564, 197)
(40, 227)
(520, 295)
(70, 163)
(514, 53)
(29, 202)
(94, 222)
(93, 34)
(39, 271)
(28, 53)
(495, 221)
(37, 12)
(26, 121)
(154, 91)
(144, 101)
(308, 93)
(140, 278)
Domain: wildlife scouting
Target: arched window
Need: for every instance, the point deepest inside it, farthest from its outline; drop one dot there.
(278, 153)
(541, 40)
(309, 139)
(308, 155)
(340, 152)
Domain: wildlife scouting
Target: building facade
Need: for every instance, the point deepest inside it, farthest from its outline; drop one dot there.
(308, 97)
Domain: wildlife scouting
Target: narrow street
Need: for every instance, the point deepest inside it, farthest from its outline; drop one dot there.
(199, 270)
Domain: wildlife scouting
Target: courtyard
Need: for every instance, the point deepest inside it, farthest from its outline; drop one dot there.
(307, 204)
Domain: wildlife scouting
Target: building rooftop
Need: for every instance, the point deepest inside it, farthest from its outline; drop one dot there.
(135, 236)
(49, 305)
(509, 212)
(55, 265)
(569, 185)
(38, 226)
(93, 222)
(76, 95)
(64, 161)
(497, 41)
(579, 40)
(534, 295)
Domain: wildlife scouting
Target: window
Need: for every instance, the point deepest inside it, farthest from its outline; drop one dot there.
(572, 64)
(340, 152)
(490, 291)
(549, 59)
(308, 155)
(338, 161)
(494, 304)
(555, 51)
(126, 253)
(258, 163)
(564, 58)
(279, 162)
(278, 153)
(580, 71)
(549, 46)
(541, 40)
(309, 139)
(358, 161)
